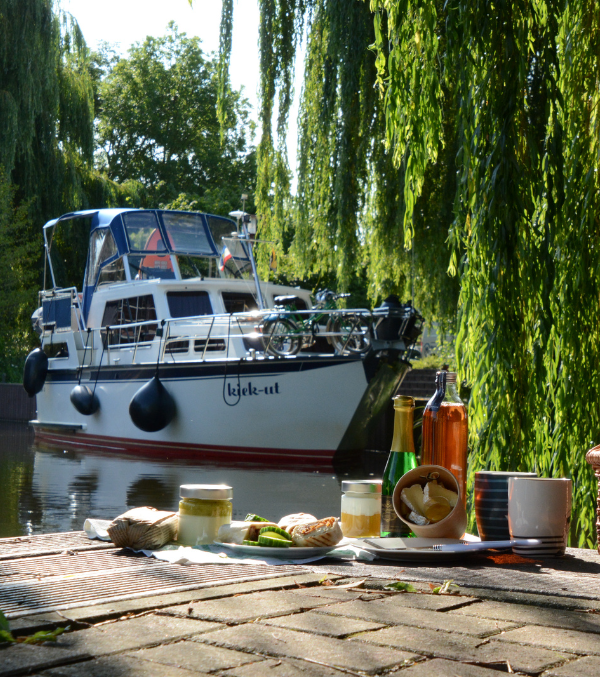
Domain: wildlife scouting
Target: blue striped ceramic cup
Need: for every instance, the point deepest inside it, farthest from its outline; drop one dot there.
(491, 503)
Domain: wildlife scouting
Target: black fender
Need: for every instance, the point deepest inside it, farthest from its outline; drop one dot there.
(152, 408)
(35, 371)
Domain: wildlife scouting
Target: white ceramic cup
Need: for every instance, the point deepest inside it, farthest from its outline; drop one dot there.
(540, 507)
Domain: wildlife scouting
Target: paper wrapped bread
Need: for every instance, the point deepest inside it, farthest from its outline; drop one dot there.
(143, 528)
(318, 533)
(290, 521)
(237, 532)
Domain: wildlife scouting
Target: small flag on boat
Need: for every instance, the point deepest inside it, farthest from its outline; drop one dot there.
(225, 256)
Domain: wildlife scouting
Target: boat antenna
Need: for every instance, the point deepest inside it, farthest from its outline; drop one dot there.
(245, 220)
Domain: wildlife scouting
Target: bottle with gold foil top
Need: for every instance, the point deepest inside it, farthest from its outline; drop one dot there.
(401, 459)
(445, 430)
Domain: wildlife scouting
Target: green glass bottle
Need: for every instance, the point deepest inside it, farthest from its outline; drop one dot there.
(401, 459)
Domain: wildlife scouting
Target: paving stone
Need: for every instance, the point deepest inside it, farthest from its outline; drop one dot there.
(131, 634)
(195, 656)
(421, 601)
(326, 650)
(439, 667)
(24, 659)
(583, 667)
(119, 666)
(521, 613)
(284, 668)
(322, 624)
(248, 607)
(533, 599)
(562, 640)
(390, 612)
(457, 647)
(330, 591)
(105, 639)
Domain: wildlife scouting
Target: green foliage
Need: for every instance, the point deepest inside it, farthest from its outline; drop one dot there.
(158, 124)
(400, 586)
(37, 638)
(18, 282)
(519, 78)
(346, 222)
(448, 587)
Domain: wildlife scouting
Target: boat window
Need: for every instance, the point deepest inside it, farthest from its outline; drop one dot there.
(112, 272)
(220, 228)
(123, 312)
(216, 345)
(150, 267)
(239, 302)
(143, 232)
(56, 350)
(173, 347)
(187, 233)
(189, 303)
(102, 247)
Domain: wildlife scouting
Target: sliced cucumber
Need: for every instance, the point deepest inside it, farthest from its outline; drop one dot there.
(273, 542)
(273, 532)
(255, 518)
(250, 542)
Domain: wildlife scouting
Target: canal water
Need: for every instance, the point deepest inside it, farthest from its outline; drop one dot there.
(45, 490)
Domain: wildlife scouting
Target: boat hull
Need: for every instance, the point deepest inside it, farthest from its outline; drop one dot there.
(295, 410)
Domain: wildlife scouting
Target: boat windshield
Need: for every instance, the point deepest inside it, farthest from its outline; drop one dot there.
(187, 234)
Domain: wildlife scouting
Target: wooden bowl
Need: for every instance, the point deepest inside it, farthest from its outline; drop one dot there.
(454, 524)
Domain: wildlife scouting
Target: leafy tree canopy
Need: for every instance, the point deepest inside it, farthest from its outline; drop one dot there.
(157, 124)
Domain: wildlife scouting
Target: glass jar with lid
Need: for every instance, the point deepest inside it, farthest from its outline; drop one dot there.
(361, 508)
(203, 508)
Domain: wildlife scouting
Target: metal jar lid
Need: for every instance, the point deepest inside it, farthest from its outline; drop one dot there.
(211, 492)
(362, 486)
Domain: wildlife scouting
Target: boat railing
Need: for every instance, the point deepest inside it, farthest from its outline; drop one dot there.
(211, 336)
(273, 332)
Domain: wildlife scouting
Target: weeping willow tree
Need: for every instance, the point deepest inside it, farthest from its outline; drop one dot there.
(46, 151)
(480, 146)
(345, 225)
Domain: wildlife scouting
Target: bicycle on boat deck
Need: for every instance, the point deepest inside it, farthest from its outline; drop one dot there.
(290, 329)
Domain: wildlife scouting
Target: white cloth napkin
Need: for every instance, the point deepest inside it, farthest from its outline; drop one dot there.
(97, 529)
(216, 554)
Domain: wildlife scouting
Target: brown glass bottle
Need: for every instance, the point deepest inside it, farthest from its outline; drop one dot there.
(445, 430)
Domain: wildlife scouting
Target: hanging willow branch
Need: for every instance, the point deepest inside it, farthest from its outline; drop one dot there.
(523, 76)
(223, 66)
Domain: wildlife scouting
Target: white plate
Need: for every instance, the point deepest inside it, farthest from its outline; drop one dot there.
(282, 553)
(413, 549)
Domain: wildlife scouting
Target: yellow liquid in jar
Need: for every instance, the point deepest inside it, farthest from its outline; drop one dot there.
(360, 526)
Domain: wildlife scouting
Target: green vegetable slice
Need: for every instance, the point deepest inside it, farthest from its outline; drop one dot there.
(255, 518)
(250, 542)
(273, 542)
(275, 531)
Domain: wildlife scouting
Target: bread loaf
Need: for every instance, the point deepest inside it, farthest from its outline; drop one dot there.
(143, 528)
(319, 533)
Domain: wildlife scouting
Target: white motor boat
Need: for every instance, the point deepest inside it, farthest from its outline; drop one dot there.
(174, 346)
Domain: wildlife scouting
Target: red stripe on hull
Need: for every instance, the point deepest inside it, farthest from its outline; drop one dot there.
(306, 458)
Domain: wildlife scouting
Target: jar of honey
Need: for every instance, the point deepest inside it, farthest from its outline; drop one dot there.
(361, 508)
(203, 508)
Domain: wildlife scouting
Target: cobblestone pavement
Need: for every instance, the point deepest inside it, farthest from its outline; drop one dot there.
(316, 625)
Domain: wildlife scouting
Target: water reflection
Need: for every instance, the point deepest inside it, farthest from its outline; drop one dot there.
(45, 490)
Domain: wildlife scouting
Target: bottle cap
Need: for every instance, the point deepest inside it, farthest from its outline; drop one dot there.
(362, 486)
(403, 401)
(211, 492)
